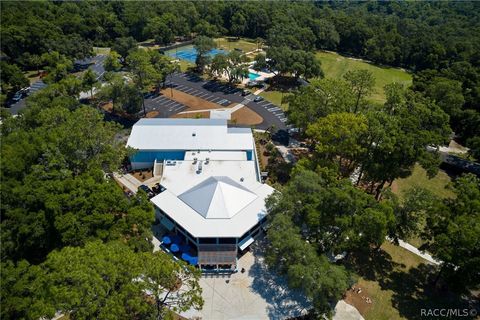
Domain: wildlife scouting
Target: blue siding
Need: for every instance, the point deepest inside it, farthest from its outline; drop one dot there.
(150, 156)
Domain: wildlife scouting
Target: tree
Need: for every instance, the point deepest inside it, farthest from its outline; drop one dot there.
(12, 76)
(159, 30)
(58, 66)
(362, 83)
(339, 136)
(452, 233)
(124, 45)
(203, 45)
(239, 24)
(54, 191)
(319, 99)
(111, 280)
(131, 99)
(163, 67)
(114, 90)
(144, 74)
(260, 62)
(284, 60)
(90, 81)
(112, 62)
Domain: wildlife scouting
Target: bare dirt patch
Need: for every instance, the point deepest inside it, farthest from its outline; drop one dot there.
(359, 298)
(246, 116)
(192, 115)
(192, 102)
(152, 114)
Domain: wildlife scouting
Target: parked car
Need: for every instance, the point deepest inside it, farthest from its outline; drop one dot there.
(20, 94)
(147, 190)
(258, 99)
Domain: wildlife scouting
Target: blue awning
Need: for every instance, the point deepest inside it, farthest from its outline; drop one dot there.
(242, 245)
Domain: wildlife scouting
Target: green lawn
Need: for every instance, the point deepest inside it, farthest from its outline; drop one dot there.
(246, 45)
(98, 50)
(335, 66)
(437, 185)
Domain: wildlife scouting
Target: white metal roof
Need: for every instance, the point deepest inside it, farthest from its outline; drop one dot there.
(215, 155)
(218, 197)
(180, 176)
(188, 134)
(199, 226)
(224, 199)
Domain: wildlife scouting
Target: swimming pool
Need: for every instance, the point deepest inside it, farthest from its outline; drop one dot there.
(253, 76)
(189, 53)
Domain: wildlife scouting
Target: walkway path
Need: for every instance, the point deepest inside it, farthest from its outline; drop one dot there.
(415, 250)
(128, 181)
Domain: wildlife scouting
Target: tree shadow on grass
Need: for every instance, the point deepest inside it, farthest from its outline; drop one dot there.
(414, 291)
(372, 266)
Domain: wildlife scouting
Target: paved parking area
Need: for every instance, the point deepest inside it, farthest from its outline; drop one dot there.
(165, 106)
(224, 95)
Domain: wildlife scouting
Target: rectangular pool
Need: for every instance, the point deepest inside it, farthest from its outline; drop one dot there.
(253, 75)
(188, 53)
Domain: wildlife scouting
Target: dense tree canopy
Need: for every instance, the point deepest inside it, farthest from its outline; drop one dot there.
(100, 281)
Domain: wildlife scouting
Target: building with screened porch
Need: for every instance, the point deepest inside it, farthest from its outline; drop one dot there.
(212, 197)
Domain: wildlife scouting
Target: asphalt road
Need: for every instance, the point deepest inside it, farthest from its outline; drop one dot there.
(213, 91)
(97, 66)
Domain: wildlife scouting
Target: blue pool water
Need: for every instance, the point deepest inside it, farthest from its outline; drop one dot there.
(253, 76)
(189, 53)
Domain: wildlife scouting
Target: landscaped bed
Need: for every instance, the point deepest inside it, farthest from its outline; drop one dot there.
(246, 116)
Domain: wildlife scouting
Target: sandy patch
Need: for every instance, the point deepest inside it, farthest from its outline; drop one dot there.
(193, 103)
(246, 116)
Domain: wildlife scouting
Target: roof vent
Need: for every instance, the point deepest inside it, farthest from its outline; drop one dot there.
(207, 160)
(194, 134)
(241, 179)
(199, 169)
(194, 161)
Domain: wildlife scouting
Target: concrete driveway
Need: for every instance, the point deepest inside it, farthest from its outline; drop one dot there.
(256, 294)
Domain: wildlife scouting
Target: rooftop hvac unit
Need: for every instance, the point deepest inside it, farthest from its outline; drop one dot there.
(199, 170)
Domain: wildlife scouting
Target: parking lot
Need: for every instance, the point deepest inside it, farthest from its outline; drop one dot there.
(224, 95)
(165, 106)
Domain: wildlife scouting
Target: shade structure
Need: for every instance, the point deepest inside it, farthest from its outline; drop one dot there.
(166, 240)
(174, 247)
(186, 257)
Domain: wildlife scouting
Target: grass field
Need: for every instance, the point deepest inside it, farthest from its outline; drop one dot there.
(335, 66)
(437, 185)
(246, 45)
